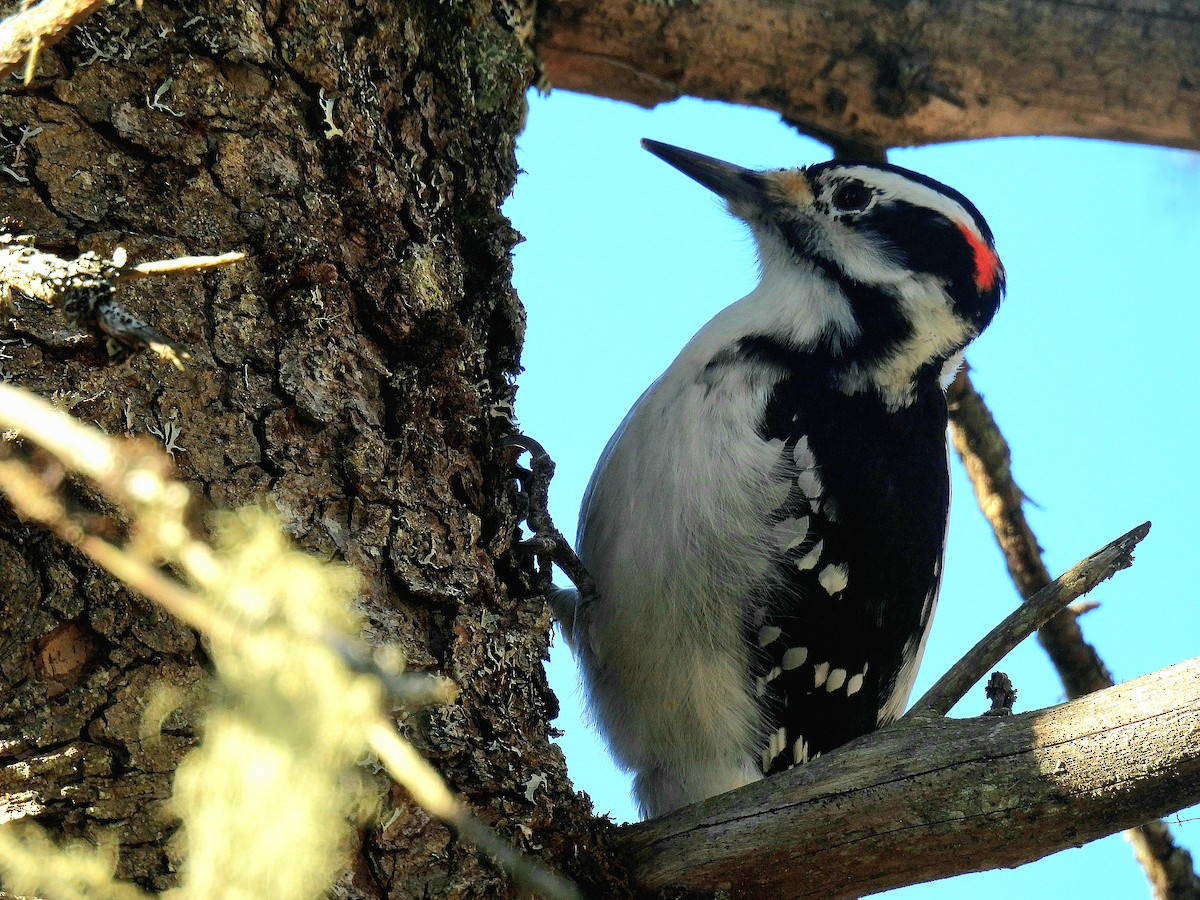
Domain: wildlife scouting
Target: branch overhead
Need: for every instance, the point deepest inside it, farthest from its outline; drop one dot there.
(876, 73)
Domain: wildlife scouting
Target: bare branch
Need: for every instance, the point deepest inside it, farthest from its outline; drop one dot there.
(180, 264)
(988, 461)
(930, 797)
(1028, 618)
(877, 73)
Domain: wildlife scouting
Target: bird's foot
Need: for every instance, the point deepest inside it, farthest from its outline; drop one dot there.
(547, 543)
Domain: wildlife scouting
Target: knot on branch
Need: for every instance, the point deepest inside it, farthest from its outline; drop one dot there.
(904, 79)
(1002, 693)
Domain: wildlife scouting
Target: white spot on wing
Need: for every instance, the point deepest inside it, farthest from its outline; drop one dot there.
(794, 658)
(834, 578)
(760, 684)
(809, 483)
(803, 455)
(774, 747)
(854, 685)
(820, 673)
(836, 679)
(811, 559)
(799, 751)
(768, 633)
(790, 533)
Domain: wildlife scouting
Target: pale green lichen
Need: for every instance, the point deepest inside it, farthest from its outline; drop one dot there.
(269, 799)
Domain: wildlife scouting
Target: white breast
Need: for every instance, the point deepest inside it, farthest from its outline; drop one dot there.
(675, 530)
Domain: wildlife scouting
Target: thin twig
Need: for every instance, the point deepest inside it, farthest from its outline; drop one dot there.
(1026, 619)
(421, 780)
(407, 690)
(180, 264)
(88, 451)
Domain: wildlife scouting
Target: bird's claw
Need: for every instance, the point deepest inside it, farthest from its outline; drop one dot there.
(547, 543)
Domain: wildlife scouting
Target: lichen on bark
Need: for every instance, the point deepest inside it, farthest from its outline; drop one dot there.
(355, 374)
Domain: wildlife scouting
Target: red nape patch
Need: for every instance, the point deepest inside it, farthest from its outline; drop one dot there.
(987, 263)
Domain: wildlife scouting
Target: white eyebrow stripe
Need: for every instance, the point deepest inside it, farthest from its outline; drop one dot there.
(896, 187)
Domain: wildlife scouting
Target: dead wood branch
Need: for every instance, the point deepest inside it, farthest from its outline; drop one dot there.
(930, 798)
(870, 72)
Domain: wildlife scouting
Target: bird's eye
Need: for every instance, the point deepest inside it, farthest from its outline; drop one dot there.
(852, 197)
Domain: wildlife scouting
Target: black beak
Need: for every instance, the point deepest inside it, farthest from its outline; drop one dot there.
(733, 183)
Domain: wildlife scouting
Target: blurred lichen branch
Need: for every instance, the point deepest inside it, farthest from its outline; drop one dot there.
(85, 290)
(268, 799)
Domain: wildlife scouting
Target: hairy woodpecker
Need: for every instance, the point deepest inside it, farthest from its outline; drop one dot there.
(766, 528)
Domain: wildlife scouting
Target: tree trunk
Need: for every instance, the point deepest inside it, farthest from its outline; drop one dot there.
(355, 372)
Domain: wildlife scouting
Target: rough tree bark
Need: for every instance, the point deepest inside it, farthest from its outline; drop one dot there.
(355, 372)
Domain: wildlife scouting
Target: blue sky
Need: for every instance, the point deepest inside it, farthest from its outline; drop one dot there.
(1089, 369)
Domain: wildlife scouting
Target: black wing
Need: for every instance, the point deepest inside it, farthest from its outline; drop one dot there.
(836, 635)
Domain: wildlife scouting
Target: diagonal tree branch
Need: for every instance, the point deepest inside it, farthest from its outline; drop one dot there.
(880, 73)
(1026, 619)
(927, 798)
(988, 461)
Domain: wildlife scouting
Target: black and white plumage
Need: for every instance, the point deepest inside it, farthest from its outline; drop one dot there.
(766, 528)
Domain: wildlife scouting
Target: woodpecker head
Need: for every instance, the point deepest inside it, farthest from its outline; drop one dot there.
(911, 265)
